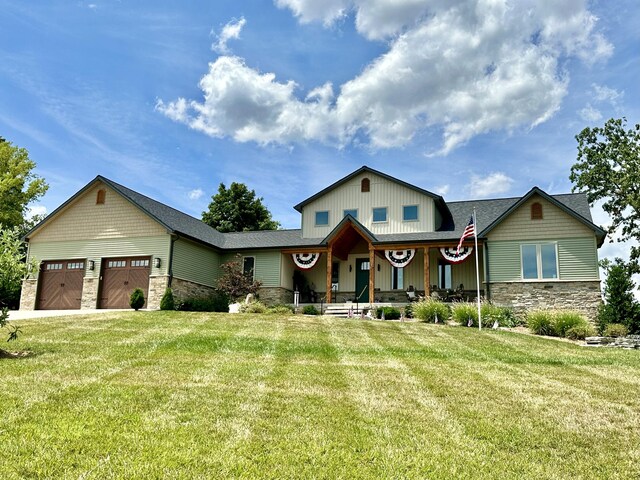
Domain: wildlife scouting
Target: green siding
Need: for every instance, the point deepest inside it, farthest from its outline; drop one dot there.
(195, 263)
(267, 266)
(577, 259)
(96, 250)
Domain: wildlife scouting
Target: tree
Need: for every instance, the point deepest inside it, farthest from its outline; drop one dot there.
(234, 282)
(608, 168)
(13, 270)
(620, 304)
(19, 186)
(238, 210)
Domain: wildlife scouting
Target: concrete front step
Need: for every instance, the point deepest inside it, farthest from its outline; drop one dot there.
(343, 310)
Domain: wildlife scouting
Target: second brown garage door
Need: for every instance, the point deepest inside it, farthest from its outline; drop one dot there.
(61, 285)
(120, 276)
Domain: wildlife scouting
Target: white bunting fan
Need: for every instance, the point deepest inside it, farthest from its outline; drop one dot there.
(400, 258)
(305, 261)
(450, 254)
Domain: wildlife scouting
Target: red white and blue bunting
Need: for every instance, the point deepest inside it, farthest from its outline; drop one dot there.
(449, 254)
(305, 261)
(400, 258)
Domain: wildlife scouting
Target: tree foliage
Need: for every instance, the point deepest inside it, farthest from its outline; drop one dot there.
(608, 168)
(237, 209)
(19, 186)
(234, 282)
(620, 304)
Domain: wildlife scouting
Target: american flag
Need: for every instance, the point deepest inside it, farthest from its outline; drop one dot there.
(469, 231)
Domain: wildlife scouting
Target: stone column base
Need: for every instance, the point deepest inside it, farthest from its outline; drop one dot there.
(89, 293)
(28, 294)
(157, 287)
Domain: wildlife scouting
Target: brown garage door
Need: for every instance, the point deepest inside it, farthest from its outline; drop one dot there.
(120, 276)
(61, 285)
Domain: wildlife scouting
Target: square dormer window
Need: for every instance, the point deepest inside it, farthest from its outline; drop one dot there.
(410, 213)
(353, 212)
(380, 214)
(322, 218)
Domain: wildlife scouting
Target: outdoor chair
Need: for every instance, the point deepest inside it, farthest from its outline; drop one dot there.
(411, 294)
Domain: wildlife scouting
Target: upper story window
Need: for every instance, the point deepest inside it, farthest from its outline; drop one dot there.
(365, 185)
(248, 266)
(351, 211)
(536, 211)
(100, 196)
(322, 218)
(539, 261)
(380, 214)
(410, 213)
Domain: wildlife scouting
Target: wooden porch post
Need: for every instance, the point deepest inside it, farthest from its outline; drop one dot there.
(372, 274)
(329, 265)
(427, 279)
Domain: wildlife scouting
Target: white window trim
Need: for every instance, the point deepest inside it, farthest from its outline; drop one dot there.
(386, 215)
(539, 263)
(417, 213)
(253, 277)
(356, 210)
(315, 218)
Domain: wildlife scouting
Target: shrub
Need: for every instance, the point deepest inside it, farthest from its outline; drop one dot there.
(218, 302)
(280, 310)
(390, 313)
(253, 307)
(615, 330)
(408, 310)
(462, 312)
(579, 332)
(426, 310)
(492, 313)
(620, 304)
(310, 310)
(540, 322)
(136, 300)
(168, 302)
(563, 320)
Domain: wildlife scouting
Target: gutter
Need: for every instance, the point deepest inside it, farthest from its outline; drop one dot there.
(174, 238)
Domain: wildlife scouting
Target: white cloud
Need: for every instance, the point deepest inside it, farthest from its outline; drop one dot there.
(36, 210)
(464, 68)
(590, 114)
(490, 185)
(442, 190)
(230, 31)
(602, 93)
(195, 194)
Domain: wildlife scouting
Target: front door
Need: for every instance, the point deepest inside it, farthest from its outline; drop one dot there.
(362, 279)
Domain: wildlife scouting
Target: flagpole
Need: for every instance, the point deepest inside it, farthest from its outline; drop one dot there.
(475, 236)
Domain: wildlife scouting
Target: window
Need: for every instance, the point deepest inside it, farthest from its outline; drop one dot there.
(365, 185)
(397, 278)
(117, 263)
(140, 263)
(101, 195)
(75, 265)
(54, 266)
(335, 272)
(444, 275)
(539, 261)
(353, 212)
(248, 264)
(410, 213)
(380, 214)
(536, 211)
(322, 218)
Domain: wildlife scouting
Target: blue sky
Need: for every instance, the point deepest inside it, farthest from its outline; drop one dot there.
(465, 98)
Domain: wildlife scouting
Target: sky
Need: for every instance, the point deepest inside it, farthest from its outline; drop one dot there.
(468, 99)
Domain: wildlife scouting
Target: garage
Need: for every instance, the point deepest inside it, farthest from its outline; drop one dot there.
(61, 285)
(120, 276)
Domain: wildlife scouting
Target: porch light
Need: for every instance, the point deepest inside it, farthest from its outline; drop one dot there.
(156, 262)
(92, 265)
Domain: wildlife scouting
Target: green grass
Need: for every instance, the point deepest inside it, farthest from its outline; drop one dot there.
(194, 395)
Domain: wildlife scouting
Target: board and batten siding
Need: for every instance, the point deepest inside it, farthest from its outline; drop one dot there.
(195, 263)
(267, 265)
(383, 193)
(83, 219)
(577, 259)
(555, 224)
(96, 250)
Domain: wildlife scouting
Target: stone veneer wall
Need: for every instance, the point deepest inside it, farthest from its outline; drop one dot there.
(523, 296)
(28, 294)
(89, 293)
(157, 287)
(275, 295)
(184, 289)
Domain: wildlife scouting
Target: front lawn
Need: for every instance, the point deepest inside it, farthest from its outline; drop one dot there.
(191, 395)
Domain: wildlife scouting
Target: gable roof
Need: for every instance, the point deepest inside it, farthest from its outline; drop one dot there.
(440, 203)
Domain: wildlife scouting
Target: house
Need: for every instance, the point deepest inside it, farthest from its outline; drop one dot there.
(367, 237)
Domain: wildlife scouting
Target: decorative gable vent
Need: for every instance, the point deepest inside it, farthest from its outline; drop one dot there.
(536, 211)
(365, 185)
(100, 196)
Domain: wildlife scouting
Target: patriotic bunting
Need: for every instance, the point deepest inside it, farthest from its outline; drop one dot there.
(305, 261)
(400, 258)
(451, 256)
